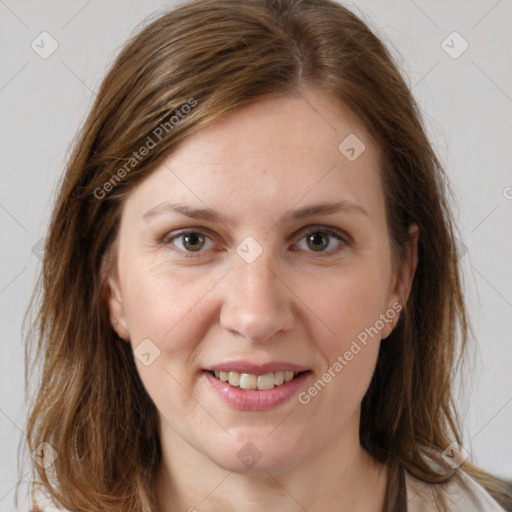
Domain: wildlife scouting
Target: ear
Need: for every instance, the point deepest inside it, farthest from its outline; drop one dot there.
(112, 297)
(404, 274)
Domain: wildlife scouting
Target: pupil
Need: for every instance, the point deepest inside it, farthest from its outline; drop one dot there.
(193, 241)
(318, 241)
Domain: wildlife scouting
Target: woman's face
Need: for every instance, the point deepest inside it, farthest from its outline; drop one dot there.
(260, 247)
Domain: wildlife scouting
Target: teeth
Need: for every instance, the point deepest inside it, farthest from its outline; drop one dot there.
(288, 376)
(265, 381)
(278, 378)
(234, 378)
(252, 381)
(248, 381)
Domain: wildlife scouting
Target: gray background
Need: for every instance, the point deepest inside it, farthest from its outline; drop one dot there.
(467, 103)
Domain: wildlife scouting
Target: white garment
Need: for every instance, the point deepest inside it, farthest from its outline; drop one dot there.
(462, 494)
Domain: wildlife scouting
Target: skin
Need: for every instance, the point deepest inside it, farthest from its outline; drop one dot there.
(256, 166)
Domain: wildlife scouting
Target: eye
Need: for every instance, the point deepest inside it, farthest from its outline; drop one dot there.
(320, 240)
(189, 241)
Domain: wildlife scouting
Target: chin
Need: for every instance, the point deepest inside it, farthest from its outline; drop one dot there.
(259, 457)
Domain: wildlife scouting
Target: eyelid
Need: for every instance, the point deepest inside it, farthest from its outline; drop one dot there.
(171, 235)
(330, 230)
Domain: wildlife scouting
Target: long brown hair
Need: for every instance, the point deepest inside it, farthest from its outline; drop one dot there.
(181, 72)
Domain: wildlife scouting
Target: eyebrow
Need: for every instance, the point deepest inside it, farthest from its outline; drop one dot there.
(326, 209)
(187, 211)
(207, 214)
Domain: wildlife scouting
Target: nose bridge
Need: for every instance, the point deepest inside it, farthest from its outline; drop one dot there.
(256, 304)
(258, 283)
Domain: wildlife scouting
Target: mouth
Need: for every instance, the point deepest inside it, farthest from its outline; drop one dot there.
(246, 386)
(252, 381)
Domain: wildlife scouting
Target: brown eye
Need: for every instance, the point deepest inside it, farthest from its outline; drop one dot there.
(321, 241)
(189, 241)
(318, 241)
(193, 241)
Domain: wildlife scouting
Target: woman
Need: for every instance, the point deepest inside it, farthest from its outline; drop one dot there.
(250, 290)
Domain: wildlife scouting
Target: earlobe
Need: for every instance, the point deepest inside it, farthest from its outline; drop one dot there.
(115, 307)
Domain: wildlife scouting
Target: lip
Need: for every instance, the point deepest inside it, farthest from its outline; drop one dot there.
(255, 400)
(256, 369)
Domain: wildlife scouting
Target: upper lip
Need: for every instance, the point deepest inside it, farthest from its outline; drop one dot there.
(256, 369)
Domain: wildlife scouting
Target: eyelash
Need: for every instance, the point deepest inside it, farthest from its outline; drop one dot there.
(344, 240)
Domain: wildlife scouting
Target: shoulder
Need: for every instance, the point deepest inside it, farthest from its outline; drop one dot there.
(462, 493)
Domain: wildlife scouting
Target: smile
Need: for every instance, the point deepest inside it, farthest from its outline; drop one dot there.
(251, 381)
(248, 386)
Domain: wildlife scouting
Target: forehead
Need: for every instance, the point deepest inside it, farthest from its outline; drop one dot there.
(276, 151)
(302, 124)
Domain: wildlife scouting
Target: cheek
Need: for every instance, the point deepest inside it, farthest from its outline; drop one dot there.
(161, 303)
(174, 311)
(167, 310)
(347, 304)
(348, 329)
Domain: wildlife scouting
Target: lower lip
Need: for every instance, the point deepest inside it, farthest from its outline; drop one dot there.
(255, 400)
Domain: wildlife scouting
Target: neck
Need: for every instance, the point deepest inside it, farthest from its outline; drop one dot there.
(343, 476)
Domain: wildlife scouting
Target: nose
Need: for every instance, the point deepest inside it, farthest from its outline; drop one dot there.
(257, 305)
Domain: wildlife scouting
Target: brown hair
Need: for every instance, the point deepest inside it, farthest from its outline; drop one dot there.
(215, 56)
